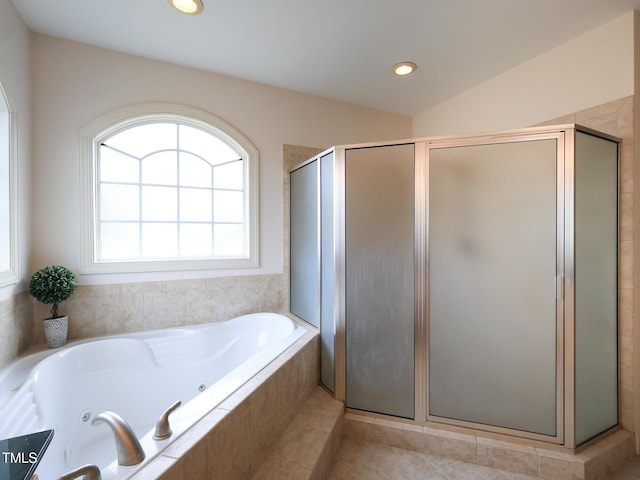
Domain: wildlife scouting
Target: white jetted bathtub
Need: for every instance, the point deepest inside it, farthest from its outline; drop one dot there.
(137, 376)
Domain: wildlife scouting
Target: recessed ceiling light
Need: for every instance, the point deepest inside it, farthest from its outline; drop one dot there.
(404, 68)
(187, 6)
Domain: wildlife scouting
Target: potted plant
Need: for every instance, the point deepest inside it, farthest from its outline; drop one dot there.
(53, 285)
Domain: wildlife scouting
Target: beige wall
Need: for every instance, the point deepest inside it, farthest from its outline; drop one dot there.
(70, 84)
(592, 69)
(16, 309)
(14, 76)
(74, 83)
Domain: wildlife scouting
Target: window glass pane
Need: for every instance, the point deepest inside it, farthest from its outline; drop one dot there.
(227, 206)
(195, 205)
(229, 240)
(159, 239)
(5, 187)
(119, 240)
(117, 167)
(160, 168)
(205, 145)
(119, 202)
(159, 203)
(195, 240)
(194, 171)
(161, 198)
(229, 175)
(144, 139)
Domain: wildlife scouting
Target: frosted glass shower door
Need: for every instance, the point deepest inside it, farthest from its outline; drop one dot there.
(379, 286)
(492, 267)
(304, 240)
(596, 286)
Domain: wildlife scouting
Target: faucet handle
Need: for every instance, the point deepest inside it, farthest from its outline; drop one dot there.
(163, 429)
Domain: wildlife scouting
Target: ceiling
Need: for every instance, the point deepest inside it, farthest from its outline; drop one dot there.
(339, 49)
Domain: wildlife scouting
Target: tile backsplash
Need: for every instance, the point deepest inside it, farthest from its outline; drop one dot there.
(96, 310)
(16, 326)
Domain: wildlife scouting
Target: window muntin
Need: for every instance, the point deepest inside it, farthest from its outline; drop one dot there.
(159, 188)
(167, 191)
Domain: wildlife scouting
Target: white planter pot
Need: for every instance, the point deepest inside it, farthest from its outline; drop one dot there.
(55, 331)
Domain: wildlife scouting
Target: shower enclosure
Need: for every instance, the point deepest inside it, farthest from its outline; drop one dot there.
(466, 280)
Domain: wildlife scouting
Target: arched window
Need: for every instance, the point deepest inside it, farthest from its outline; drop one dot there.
(169, 191)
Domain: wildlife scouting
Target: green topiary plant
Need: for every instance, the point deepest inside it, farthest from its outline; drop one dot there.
(52, 285)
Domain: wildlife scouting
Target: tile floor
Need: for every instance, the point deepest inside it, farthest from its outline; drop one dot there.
(359, 460)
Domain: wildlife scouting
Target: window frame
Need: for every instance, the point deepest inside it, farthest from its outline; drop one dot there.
(122, 119)
(11, 275)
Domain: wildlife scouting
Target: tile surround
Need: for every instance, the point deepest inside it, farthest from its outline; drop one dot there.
(96, 310)
(518, 457)
(308, 446)
(232, 440)
(16, 326)
(364, 460)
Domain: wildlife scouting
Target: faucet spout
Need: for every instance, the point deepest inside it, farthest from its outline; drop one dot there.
(130, 451)
(86, 472)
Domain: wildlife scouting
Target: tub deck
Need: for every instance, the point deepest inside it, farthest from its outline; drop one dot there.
(232, 441)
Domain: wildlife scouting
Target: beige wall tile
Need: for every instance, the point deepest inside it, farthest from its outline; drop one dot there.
(121, 314)
(602, 118)
(506, 456)
(626, 217)
(197, 462)
(626, 166)
(603, 456)
(231, 444)
(164, 310)
(161, 468)
(626, 312)
(626, 264)
(394, 434)
(16, 327)
(110, 309)
(554, 469)
(205, 306)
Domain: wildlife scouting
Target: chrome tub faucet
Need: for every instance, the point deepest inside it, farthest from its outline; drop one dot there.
(130, 451)
(86, 472)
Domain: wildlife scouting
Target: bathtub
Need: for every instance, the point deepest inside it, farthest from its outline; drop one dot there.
(138, 376)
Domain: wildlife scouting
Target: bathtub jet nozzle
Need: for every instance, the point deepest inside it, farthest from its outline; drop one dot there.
(130, 451)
